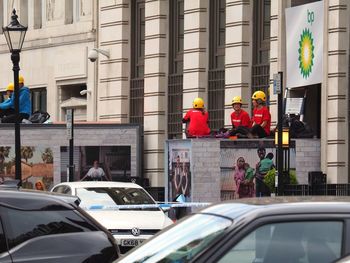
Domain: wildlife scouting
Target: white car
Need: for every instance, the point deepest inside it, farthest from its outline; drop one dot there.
(129, 226)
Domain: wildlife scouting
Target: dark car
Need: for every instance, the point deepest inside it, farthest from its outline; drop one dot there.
(42, 227)
(272, 230)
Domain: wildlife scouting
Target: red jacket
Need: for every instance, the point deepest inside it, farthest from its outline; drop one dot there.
(198, 125)
(261, 115)
(240, 119)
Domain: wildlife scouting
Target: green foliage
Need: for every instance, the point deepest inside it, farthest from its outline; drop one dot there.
(269, 179)
(47, 156)
(27, 152)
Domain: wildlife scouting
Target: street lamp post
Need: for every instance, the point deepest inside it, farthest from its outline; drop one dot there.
(15, 34)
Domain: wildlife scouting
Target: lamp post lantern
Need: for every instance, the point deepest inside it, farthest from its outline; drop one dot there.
(15, 34)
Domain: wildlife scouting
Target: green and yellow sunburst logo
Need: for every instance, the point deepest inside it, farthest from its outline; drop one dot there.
(306, 53)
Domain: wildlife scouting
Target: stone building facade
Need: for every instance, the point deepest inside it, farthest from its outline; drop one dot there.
(164, 53)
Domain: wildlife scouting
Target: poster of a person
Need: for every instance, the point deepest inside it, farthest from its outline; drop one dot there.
(180, 175)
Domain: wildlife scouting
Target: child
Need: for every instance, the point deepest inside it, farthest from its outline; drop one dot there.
(266, 164)
(249, 172)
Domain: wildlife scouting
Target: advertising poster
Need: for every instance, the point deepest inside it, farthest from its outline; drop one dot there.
(304, 25)
(37, 166)
(249, 163)
(180, 174)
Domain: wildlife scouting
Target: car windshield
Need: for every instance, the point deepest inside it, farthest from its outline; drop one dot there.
(182, 242)
(109, 197)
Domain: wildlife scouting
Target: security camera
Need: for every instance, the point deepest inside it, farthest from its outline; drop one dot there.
(83, 92)
(93, 55)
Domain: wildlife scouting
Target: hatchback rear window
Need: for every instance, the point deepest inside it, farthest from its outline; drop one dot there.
(112, 196)
(21, 226)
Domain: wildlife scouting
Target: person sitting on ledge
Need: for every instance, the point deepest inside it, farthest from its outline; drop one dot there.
(9, 90)
(197, 119)
(261, 120)
(7, 111)
(240, 119)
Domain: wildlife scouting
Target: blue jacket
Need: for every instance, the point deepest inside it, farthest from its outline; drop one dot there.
(25, 105)
(5, 104)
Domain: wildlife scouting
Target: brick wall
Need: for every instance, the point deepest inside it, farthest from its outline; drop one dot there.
(206, 170)
(308, 158)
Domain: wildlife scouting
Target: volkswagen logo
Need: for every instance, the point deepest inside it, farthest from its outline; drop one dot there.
(135, 231)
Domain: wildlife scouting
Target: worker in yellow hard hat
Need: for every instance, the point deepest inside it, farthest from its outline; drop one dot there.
(198, 119)
(10, 88)
(7, 110)
(5, 105)
(240, 119)
(261, 120)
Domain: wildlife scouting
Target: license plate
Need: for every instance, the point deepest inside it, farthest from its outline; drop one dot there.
(130, 242)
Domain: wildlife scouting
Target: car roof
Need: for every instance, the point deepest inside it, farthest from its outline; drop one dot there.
(259, 207)
(99, 184)
(37, 200)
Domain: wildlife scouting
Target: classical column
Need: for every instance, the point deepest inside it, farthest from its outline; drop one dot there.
(335, 86)
(155, 84)
(238, 51)
(113, 72)
(195, 51)
(277, 50)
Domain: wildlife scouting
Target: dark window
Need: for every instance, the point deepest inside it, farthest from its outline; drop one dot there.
(38, 14)
(23, 17)
(68, 12)
(137, 61)
(175, 79)
(3, 245)
(25, 225)
(261, 46)
(300, 241)
(176, 36)
(1, 15)
(39, 99)
(261, 29)
(302, 2)
(216, 74)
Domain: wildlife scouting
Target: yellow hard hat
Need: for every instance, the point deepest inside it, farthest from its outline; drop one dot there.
(259, 95)
(237, 99)
(198, 103)
(10, 87)
(20, 80)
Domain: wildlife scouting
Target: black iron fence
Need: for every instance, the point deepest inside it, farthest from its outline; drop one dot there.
(136, 101)
(322, 189)
(216, 98)
(261, 77)
(175, 95)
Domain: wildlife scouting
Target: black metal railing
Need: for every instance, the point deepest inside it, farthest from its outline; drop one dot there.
(137, 101)
(216, 98)
(175, 89)
(321, 189)
(261, 77)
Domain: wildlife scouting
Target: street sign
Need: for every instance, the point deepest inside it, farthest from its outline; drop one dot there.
(276, 84)
(69, 123)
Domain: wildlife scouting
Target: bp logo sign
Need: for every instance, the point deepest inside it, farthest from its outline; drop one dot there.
(306, 53)
(304, 45)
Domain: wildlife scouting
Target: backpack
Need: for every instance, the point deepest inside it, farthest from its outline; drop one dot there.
(299, 129)
(39, 117)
